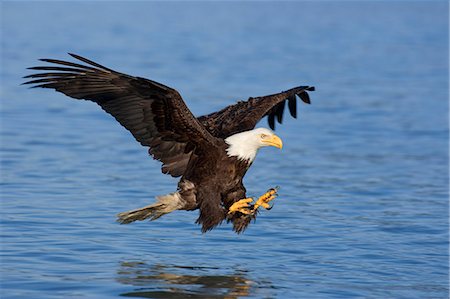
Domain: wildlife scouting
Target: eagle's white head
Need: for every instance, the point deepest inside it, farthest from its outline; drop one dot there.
(245, 145)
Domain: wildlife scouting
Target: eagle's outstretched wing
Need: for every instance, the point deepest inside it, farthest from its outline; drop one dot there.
(244, 115)
(155, 114)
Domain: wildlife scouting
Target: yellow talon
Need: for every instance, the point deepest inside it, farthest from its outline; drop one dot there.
(264, 199)
(241, 206)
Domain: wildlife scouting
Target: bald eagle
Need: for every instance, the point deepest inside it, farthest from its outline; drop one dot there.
(210, 153)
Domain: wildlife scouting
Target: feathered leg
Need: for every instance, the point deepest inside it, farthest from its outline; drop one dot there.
(242, 211)
(243, 206)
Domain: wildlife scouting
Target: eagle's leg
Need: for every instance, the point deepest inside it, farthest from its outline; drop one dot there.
(242, 206)
(243, 211)
(263, 200)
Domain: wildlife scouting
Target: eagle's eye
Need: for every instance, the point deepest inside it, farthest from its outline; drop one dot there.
(263, 136)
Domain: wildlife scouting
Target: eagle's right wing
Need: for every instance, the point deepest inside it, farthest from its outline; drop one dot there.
(155, 114)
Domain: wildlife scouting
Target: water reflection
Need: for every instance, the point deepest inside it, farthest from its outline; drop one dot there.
(162, 281)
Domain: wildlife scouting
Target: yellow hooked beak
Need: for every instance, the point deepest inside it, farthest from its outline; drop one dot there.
(273, 140)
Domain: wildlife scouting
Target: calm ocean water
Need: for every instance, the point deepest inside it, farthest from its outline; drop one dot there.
(363, 206)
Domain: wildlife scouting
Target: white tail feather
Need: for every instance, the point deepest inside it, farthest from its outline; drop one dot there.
(165, 204)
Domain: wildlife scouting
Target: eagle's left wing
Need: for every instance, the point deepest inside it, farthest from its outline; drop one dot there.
(244, 115)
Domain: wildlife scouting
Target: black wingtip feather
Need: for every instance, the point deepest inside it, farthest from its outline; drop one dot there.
(85, 60)
(292, 104)
(67, 63)
(40, 75)
(39, 81)
(304, 96)
(57, 68)
(271, 120)
(279, 109)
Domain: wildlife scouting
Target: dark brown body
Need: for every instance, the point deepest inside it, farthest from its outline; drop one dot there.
(223, 175)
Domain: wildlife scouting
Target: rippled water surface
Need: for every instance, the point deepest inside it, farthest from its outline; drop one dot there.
(363, 206)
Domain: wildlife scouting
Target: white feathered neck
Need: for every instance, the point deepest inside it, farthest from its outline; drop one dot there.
(245, 145)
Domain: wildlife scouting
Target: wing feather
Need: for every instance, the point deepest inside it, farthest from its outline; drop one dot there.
(292, 104)
(244, 115)
(155, 114)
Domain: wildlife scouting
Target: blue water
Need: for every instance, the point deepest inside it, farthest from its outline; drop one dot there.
(363, 206)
